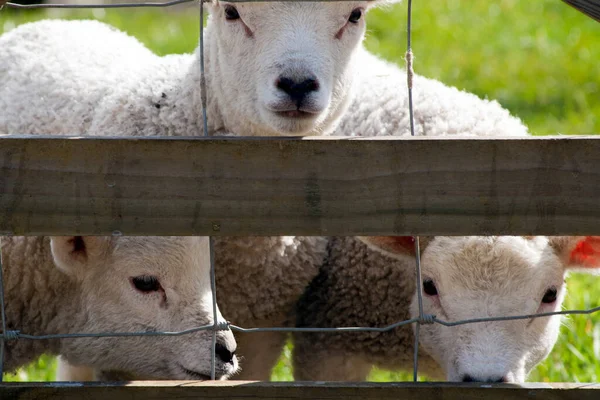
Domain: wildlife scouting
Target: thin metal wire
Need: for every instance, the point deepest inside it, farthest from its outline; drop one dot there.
(211, 245)
(419, 288)
(141, 4)
(409, 84)
(3, 312)
(116, 5)
(213, 287)
(409, 67)
(203, 91)
(224, 326)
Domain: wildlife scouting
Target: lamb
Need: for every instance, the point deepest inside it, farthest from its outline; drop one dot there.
(74, 284)
(462, 278)
(262, 277)
(271, 69)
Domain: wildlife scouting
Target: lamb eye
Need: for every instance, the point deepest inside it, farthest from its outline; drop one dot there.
(231, 13)
(429, 287)
(355, 15)
(550, 296)
(146, 283)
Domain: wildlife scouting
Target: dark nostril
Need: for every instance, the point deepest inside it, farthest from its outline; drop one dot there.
(310, 85)
(285, 84)
(468, 378)
(297, 90)
(224, 353)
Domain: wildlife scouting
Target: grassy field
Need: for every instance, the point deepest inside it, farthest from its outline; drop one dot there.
(537, 58)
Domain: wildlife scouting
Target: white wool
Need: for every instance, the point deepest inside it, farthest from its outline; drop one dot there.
(380, 107)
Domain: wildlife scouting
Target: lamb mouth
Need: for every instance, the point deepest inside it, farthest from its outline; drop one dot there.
(195, 375)
(296, 114)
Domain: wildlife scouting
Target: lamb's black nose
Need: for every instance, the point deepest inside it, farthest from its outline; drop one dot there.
(224, 354)
(297, 89)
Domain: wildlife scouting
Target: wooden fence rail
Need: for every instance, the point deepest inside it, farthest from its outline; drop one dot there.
(323, 186)
(293, 186)
(239, 390)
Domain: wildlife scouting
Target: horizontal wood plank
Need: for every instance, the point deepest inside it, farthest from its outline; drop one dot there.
(236, 390)
(257, 186)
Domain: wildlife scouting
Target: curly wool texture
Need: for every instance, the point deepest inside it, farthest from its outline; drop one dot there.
(259, 280)
(356, 286)
(39, 299)
(85, 77)
(380, 107)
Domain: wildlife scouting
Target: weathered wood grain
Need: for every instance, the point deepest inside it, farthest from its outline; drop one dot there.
(591, 8)
(237, 390)
(290, 186)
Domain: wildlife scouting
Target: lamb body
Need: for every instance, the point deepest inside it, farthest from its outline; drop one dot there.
(379, 107)
(84, 77)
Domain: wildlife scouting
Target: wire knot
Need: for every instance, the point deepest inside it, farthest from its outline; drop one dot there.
(11, 335)
(427, 319)
(409, 57)
(223, 326)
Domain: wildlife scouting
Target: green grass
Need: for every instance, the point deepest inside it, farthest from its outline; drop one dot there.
(537, 58)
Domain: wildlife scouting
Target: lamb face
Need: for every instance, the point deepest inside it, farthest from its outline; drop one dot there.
(479, 277)
(284, 67)
(147, 284)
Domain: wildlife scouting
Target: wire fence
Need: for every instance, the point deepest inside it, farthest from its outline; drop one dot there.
(7, 335)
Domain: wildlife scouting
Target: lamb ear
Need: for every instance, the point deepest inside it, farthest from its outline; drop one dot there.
(578, 252)
(72, 253)
(395, 246)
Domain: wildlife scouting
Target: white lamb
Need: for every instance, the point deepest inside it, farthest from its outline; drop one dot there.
(74, 284)
(259, 280)
(462, 278)
(271, 69)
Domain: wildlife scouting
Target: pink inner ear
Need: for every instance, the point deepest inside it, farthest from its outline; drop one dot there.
(399, 244)
(587, 252)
